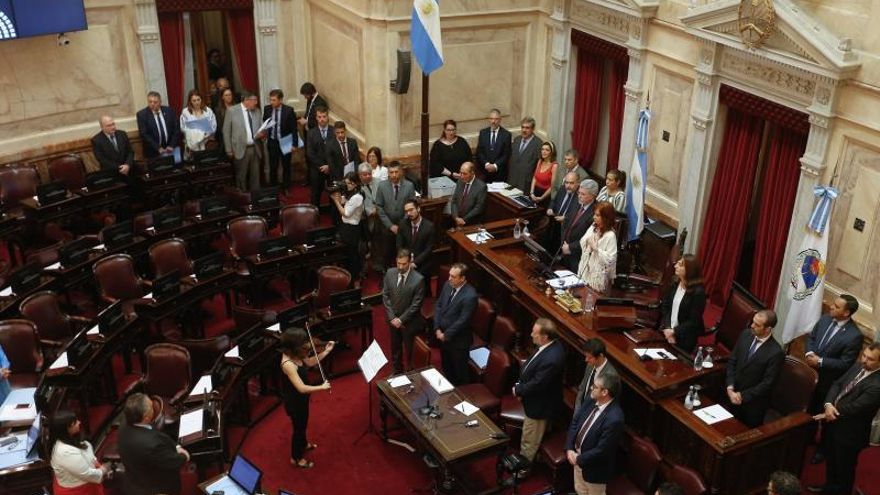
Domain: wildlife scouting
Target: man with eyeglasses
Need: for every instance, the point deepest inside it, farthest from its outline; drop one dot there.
(566, 200)
(524, 156)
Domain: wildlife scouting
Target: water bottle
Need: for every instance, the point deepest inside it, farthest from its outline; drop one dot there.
(696, 399)
(689, 400)
(517, 230)
(698, 359)
(525, 230)
(589, 301)
(708, 362)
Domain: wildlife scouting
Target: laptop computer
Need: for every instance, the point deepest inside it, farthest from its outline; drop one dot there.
(51, 193)
(75, 252)
(24, 450)
(243, 479)
(167, 218)
(111, 318)
(25, 278)
(293, 317)
(525, 201)
(100, 179)
(346, 300)
(321, 236)
(274, 247)
(117, 235)
(208, 157)
(166, 286)
(265, 198)
(213, 207)
(209, 266)
(161, 165)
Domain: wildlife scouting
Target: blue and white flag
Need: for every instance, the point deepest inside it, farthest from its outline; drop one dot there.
(805, 279)
(425, 34)
(637, 181)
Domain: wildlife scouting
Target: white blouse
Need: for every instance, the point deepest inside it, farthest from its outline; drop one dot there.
(195, 139)
(676, 303)
(73, 466)
(598, 267)
(353, 209)
(618, 200)
(380, 173)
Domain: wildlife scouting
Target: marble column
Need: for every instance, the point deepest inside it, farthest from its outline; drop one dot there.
(151, 47)
(560, 74)
(633, 91)
(266, 25)
(696, 170)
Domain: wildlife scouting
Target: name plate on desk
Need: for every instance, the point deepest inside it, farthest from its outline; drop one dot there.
(346, 300)
(50, 193)
(167, 218)
(100, 179)
(117, 235)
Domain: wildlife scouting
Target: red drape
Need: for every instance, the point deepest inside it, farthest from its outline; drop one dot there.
(588, 91)
(171, 33)
(728, 210)
(616, 102)
(781, 175)
(240, 24)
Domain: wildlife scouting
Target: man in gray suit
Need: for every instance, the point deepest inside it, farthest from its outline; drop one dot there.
(597, 365)
(524, 156)
(391, 194)
(243, 142)
(468, 201)
(402, 296)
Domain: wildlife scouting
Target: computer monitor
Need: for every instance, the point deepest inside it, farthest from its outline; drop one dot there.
(250, 344)
(274, 247)
(213, 207)
(161, 165)
(75, 252)
(52, 192)
(321, 236)
(537, 252)
(25, 278)
(78, 350)
(294, 316)
(346, 300)
(209, 265)
(117, 235)
(245, 474)
(111, 318)
(101, 179)
(166, 286)
(265, 198)
(208, 157)
(167, 218)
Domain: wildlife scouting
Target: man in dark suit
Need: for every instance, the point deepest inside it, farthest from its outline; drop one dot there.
(597, 364)
(314, 101)
(158, 126)
(850, 406)
(576, 223)
(151, 458)
(316, 156)
(452, 323)
(284, 119)
(832, 347)
(524, 154)
(416, 234)
(402, 296)
(391, 195)
(540, 387)
(570, 164)
(112, 148)
(493, 149)
(564, 201)
(753, 368)
(468, 201)
(594, 436)
(340, 151)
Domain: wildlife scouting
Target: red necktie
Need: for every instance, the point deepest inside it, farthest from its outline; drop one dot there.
(467, 188)
(849, 386)
(343, 145)
(571, 225)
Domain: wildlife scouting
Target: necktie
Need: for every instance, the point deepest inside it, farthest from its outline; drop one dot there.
(309, 107)
(582, 433)
(849, 386)
(522, 145)
(564, 208)
(577, 217)
(753, 348)
(415, 231)
(277, 119)
(452, 295)
(494, 135)
(400, 279)
(342, 144)
(464, 195)
(160, 125)
(113, 140)
(250, 122)
(827, 337)
(324, 134)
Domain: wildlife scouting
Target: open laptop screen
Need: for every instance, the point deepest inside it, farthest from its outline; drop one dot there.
(245, 474)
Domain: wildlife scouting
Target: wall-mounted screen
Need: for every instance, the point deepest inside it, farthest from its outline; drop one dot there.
(25, 18)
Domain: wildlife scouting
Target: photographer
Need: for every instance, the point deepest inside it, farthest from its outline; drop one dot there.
(350, 204)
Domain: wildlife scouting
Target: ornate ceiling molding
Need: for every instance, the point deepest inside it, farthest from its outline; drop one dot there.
(618, 21)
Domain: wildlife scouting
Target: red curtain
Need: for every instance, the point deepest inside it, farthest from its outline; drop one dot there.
(171, 33)
(240, 24)
(781, 175)
(616, 102)
(588, 90)
(728, 210)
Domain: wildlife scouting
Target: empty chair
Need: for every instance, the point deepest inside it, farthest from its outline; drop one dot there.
(552, 453)
(70, 170)
(688, 479)
(203, 353)
(296, 220)
(168, 255)
(54, 326)
(640, 468)
(792, 390)
(167, 375)
(496, 383)
(331, 279)
(17, 182)
(117, 279)
(482, 321)
(246, 318)
(21, 343)
(245, 234)
(421, 355)
(503, 333)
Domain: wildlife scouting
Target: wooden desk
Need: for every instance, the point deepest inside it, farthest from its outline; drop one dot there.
(206, 180)
(10, 233)
(107, 198)
(55, 212)
(190, 293)
(446, 439)
(159, 189)
(9, 305)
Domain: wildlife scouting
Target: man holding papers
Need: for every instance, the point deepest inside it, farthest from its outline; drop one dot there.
(753, 368)
(241, 137)
(282, 138)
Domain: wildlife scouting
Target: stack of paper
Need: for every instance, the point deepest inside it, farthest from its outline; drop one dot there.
(480, 237)
(191, 422)
(655, 353)
(466, 408)
(438, 382)
(59, 363)
(713, 414)
(18, 414)
(398, 381)
(203, 386)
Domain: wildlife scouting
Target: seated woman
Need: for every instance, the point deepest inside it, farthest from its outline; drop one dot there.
(598, 265)
(77, 471)
(449, 152)
(683, 306)
(197, 122)
(613, 192)
(545, 174)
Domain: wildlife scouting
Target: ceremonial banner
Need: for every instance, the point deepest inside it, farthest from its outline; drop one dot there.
(636, 183)
(425, 35)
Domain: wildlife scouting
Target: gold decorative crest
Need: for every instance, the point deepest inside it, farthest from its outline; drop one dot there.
(757, 21)
(427, 7)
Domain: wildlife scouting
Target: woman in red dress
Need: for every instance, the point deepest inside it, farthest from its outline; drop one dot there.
(545, 174)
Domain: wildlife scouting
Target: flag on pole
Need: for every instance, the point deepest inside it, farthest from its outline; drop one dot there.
(636, 185)
(425, 35)
(806, 278)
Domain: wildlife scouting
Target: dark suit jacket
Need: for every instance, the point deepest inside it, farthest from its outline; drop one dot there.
(404, 302)
(455, 319)
(599, 448)
(288, 121)
(109, 157)
(150, 133)
(583, 394)
(499, 155)
(152, 464)
(474, 204)
(556, 204)
(422, 246)
(573, 235)
(540, 383)
(690, 315)
(334, 158)
(315, 153)
(754, 377)
(311, 117)
(857, 408)
(522, 165)
(838, 354)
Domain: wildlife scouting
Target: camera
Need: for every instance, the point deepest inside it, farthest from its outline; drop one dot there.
(63, 40)
(335, 186)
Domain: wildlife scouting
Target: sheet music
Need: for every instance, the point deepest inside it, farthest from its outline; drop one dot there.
(713, 414)
(59, 363)
(233, 353)
(480, 357)
(203, 386)
(372, 361)
(438, 382)
(466, 408)
(191, 422)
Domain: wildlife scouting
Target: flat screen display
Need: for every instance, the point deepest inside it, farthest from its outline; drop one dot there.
(26, 18)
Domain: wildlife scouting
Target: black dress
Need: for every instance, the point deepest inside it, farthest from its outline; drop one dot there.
(296, 405)
(449, 156)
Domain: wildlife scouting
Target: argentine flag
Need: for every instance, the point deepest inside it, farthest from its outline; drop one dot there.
(425, 35)
(636, 183)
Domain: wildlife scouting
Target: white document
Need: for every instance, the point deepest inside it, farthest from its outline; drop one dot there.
(349, 167)
(54, 266)
(151, 230)
(60, 362)
(93, 331)
(496, 186)
(233, 353)
(713, 414)
(480, 237)
(438, 382)
(226, 485)
(655, 353)
(372, 361)
(191, 422)
(466, 408)
(267, 124)
(17, 416)
(566, 282)
(6, 292)
(148, 295)
(203, 386)
(480, 356)
(399, 381)
(98, 247)
(563, 273)
(274, 327)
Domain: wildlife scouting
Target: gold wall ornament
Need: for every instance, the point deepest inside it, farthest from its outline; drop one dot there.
(757, 21)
